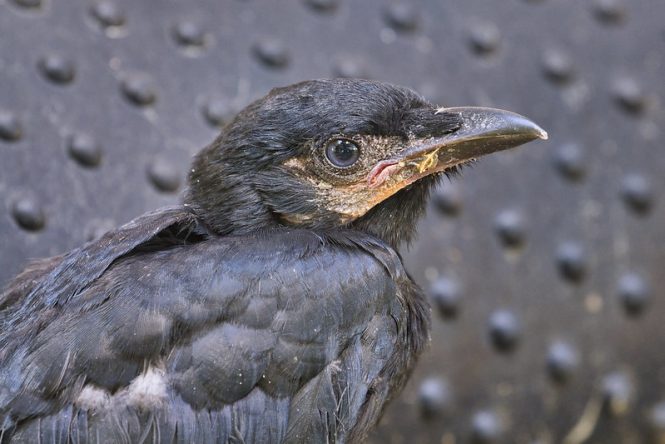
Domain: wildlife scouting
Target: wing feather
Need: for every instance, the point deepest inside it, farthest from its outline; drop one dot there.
(269, 338)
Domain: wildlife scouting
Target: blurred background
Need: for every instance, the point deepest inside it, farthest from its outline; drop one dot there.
(544, 265)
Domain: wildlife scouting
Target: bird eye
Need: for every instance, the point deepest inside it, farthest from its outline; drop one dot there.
(342, 153)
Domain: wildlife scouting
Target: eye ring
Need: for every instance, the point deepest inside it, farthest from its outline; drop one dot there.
(342, 153)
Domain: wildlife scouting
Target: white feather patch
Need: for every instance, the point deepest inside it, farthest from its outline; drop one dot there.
(147, 390)
(93, 398)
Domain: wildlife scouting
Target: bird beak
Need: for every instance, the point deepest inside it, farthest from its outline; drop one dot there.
(482, 131)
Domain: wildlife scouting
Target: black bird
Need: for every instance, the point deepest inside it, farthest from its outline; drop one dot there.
(272, 306)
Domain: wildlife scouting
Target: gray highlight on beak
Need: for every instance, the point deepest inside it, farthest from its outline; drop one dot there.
(483, 131)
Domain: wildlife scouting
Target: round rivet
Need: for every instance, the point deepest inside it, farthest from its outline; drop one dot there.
(446, 294)
(610, 11)
(657, 421)
(164, 175)
(432, 92)
(558, 66)
(28, 4)
(28, 214)
(433, 397)
(448, 200)
(139, 89)
(57, 68)
(504, 330)
(637, 193)
(634, 293)
(10, 126)
(569, 161)
(629, 95)
(350, 68)
(271, 52)
(484, 38)
(617, 393)
(218, 112)
(562, 360)
(97, 228)
(509, 228)
(322, 5)
(188, 33)
(485, 428)
(108, 13)
(572, 261)
(402, 16)
(84, 150)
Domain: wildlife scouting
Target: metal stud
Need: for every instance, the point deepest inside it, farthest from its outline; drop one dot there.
(57, 68)
(629, 94)
(271, 52)
(139, 89)
(484, 38)
(656, 418)
(96, 228)
(558, 66)
(504, 330)
(28, 4)
(571, 260)
(609, 11)
(562, 360)
(108, 13)
(486, 428)
(28, 214)
(402, 16)
(446, 294)
(218, 112)
(634, 293)
(433, 397)
(187, 33)
(448, 200)
(350, 68)
(322, 5)
(509, 226)
(637, 193)
(617, 392)
(10, 126)
(84, 150)
(164, 175)
(570, 162)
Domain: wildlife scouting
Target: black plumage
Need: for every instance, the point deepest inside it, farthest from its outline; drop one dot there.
(272, 306)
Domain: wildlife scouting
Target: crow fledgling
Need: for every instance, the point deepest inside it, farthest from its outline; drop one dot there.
(272, 306)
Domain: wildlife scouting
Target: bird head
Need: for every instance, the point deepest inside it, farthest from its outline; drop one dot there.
(327, 154)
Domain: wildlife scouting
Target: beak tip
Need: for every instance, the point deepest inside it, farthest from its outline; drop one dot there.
(542, 134)
(531, 128)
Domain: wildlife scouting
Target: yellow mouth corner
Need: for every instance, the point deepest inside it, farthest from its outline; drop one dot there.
(429, 161)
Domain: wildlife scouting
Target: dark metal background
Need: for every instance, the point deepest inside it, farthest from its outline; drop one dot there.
(545, 264)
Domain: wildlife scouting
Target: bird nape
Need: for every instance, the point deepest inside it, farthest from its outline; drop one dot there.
(272, 306)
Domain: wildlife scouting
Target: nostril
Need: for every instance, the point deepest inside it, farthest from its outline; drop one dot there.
(430, 122)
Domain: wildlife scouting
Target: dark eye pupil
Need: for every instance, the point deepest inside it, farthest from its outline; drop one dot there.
(342, 153)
